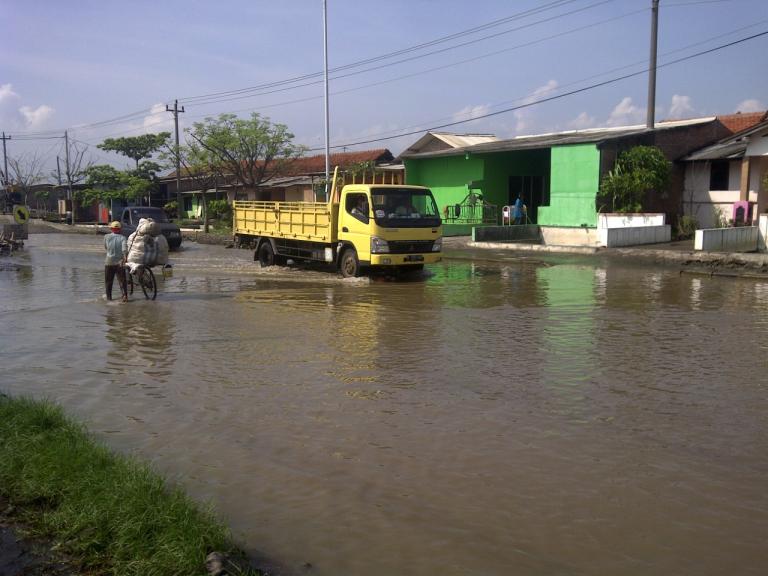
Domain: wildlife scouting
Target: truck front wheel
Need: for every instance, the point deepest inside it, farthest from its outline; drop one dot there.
(350, 265)
(266, 255)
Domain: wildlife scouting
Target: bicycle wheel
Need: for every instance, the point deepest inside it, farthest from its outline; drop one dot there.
(148, 283)
(128, 281)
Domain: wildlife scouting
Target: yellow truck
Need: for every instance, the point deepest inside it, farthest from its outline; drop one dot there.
(364, 226)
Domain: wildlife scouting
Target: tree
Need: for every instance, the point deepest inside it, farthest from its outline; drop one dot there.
(106, 182)
(197, 164)
(637, 171)
(26, 171)
(253, 151)
(136, 147)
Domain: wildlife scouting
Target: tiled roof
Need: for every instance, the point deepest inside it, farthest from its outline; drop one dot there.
(316, 164)
(742, 120)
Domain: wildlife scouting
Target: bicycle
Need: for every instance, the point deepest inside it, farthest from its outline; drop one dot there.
(144, 278)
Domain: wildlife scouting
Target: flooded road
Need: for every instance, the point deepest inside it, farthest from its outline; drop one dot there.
(522, 417)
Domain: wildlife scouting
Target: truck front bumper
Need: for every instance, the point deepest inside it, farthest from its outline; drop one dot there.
(404, 259)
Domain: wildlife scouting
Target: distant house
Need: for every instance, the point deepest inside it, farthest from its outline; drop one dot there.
(721, 177)
(558, 175)
(301, 179)
(437, 141)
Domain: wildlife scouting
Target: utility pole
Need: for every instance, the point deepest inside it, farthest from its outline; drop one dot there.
(6, 179)
(651, 118)
(175, 111)
(58, 170)
(69, 179)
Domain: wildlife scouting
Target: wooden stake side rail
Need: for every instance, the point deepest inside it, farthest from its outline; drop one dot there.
(309, 221)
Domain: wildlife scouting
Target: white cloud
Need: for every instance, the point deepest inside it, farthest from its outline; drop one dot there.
(582, 121)
(751, 105)
(158, 120)
(626, 113)
(681, 107)
(17, 117)
(525, 117)
(36, 117)
(469, 112)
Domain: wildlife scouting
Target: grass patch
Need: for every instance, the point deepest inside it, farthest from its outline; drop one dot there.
(110, 513)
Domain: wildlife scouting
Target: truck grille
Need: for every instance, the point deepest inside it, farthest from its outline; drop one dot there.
(409, 246)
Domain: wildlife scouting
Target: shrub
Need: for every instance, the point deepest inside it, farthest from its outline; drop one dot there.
(637, 171)
(686, 227)
(219, 209)
(171, 209)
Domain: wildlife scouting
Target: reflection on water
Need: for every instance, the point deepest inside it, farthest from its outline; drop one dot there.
(510, 417)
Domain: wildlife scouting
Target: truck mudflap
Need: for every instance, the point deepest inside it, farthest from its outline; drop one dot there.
(404, 259)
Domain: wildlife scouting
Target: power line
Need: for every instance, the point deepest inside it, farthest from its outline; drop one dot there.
(416, 47)
(551, 98)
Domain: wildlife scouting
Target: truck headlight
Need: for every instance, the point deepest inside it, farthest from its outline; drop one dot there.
(437, 245)
(379, 246)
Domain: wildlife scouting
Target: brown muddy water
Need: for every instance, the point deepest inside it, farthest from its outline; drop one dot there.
(487, 417)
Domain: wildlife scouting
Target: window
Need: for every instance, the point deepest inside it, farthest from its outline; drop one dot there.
(718, 175)
(357, 206)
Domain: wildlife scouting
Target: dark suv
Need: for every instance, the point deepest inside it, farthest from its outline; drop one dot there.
(133, 214)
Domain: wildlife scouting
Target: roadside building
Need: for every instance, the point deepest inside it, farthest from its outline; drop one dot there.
(725, 183)
(558, 174)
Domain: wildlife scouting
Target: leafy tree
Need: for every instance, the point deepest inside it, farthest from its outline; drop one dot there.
(199, 165)
(637, 171)
(136, 147)
(106, 182)
(253, 151)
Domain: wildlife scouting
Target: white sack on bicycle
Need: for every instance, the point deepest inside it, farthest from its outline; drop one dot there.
(144, 248)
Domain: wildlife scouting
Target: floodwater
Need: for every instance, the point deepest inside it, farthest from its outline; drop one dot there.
(523, 417)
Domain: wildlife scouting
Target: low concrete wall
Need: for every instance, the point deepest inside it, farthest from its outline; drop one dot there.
(634, 235)
(762, 233)
(741, 239)
(562, 236)
(519, 233)
(460, 229)
(632, 220)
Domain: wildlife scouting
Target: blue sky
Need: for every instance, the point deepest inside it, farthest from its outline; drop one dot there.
(70, 65)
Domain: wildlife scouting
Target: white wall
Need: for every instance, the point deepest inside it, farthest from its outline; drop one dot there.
(617, 220)
(702, 203)
(742, 239)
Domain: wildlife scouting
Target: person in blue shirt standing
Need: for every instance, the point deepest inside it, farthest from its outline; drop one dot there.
(117, 250)
(519, 209)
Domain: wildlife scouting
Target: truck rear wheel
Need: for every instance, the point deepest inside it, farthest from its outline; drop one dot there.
(266, 255)
(350, 265)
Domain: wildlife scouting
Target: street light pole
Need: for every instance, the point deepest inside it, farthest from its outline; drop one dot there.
(651, 118)
(327, 116)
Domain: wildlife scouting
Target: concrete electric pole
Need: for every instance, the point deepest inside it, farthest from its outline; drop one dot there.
(6, 179)
(175, 111)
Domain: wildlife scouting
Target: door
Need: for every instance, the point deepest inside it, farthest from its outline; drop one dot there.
(355, 223)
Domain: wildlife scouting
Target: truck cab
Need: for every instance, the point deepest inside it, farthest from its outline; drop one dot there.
(387, 226)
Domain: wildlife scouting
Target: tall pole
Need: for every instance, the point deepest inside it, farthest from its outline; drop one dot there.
(6, 178)
(327, 116)
(69, 179)
(175, 110)
(652, 65)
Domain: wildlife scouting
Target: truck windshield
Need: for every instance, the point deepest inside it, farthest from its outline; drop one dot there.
(404, 207)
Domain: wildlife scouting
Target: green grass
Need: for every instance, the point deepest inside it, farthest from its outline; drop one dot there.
(110, 513)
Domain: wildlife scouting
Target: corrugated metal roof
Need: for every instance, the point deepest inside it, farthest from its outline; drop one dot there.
(595, 135)
(460, 140)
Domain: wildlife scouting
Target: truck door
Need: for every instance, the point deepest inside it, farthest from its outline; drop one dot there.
(354, 223)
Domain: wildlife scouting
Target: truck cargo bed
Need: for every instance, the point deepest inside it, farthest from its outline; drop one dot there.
(310, 221)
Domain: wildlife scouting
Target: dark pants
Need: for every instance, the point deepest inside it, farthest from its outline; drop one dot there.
(109, 276)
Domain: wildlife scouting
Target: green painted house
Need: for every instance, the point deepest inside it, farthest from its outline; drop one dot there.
(557, 175)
